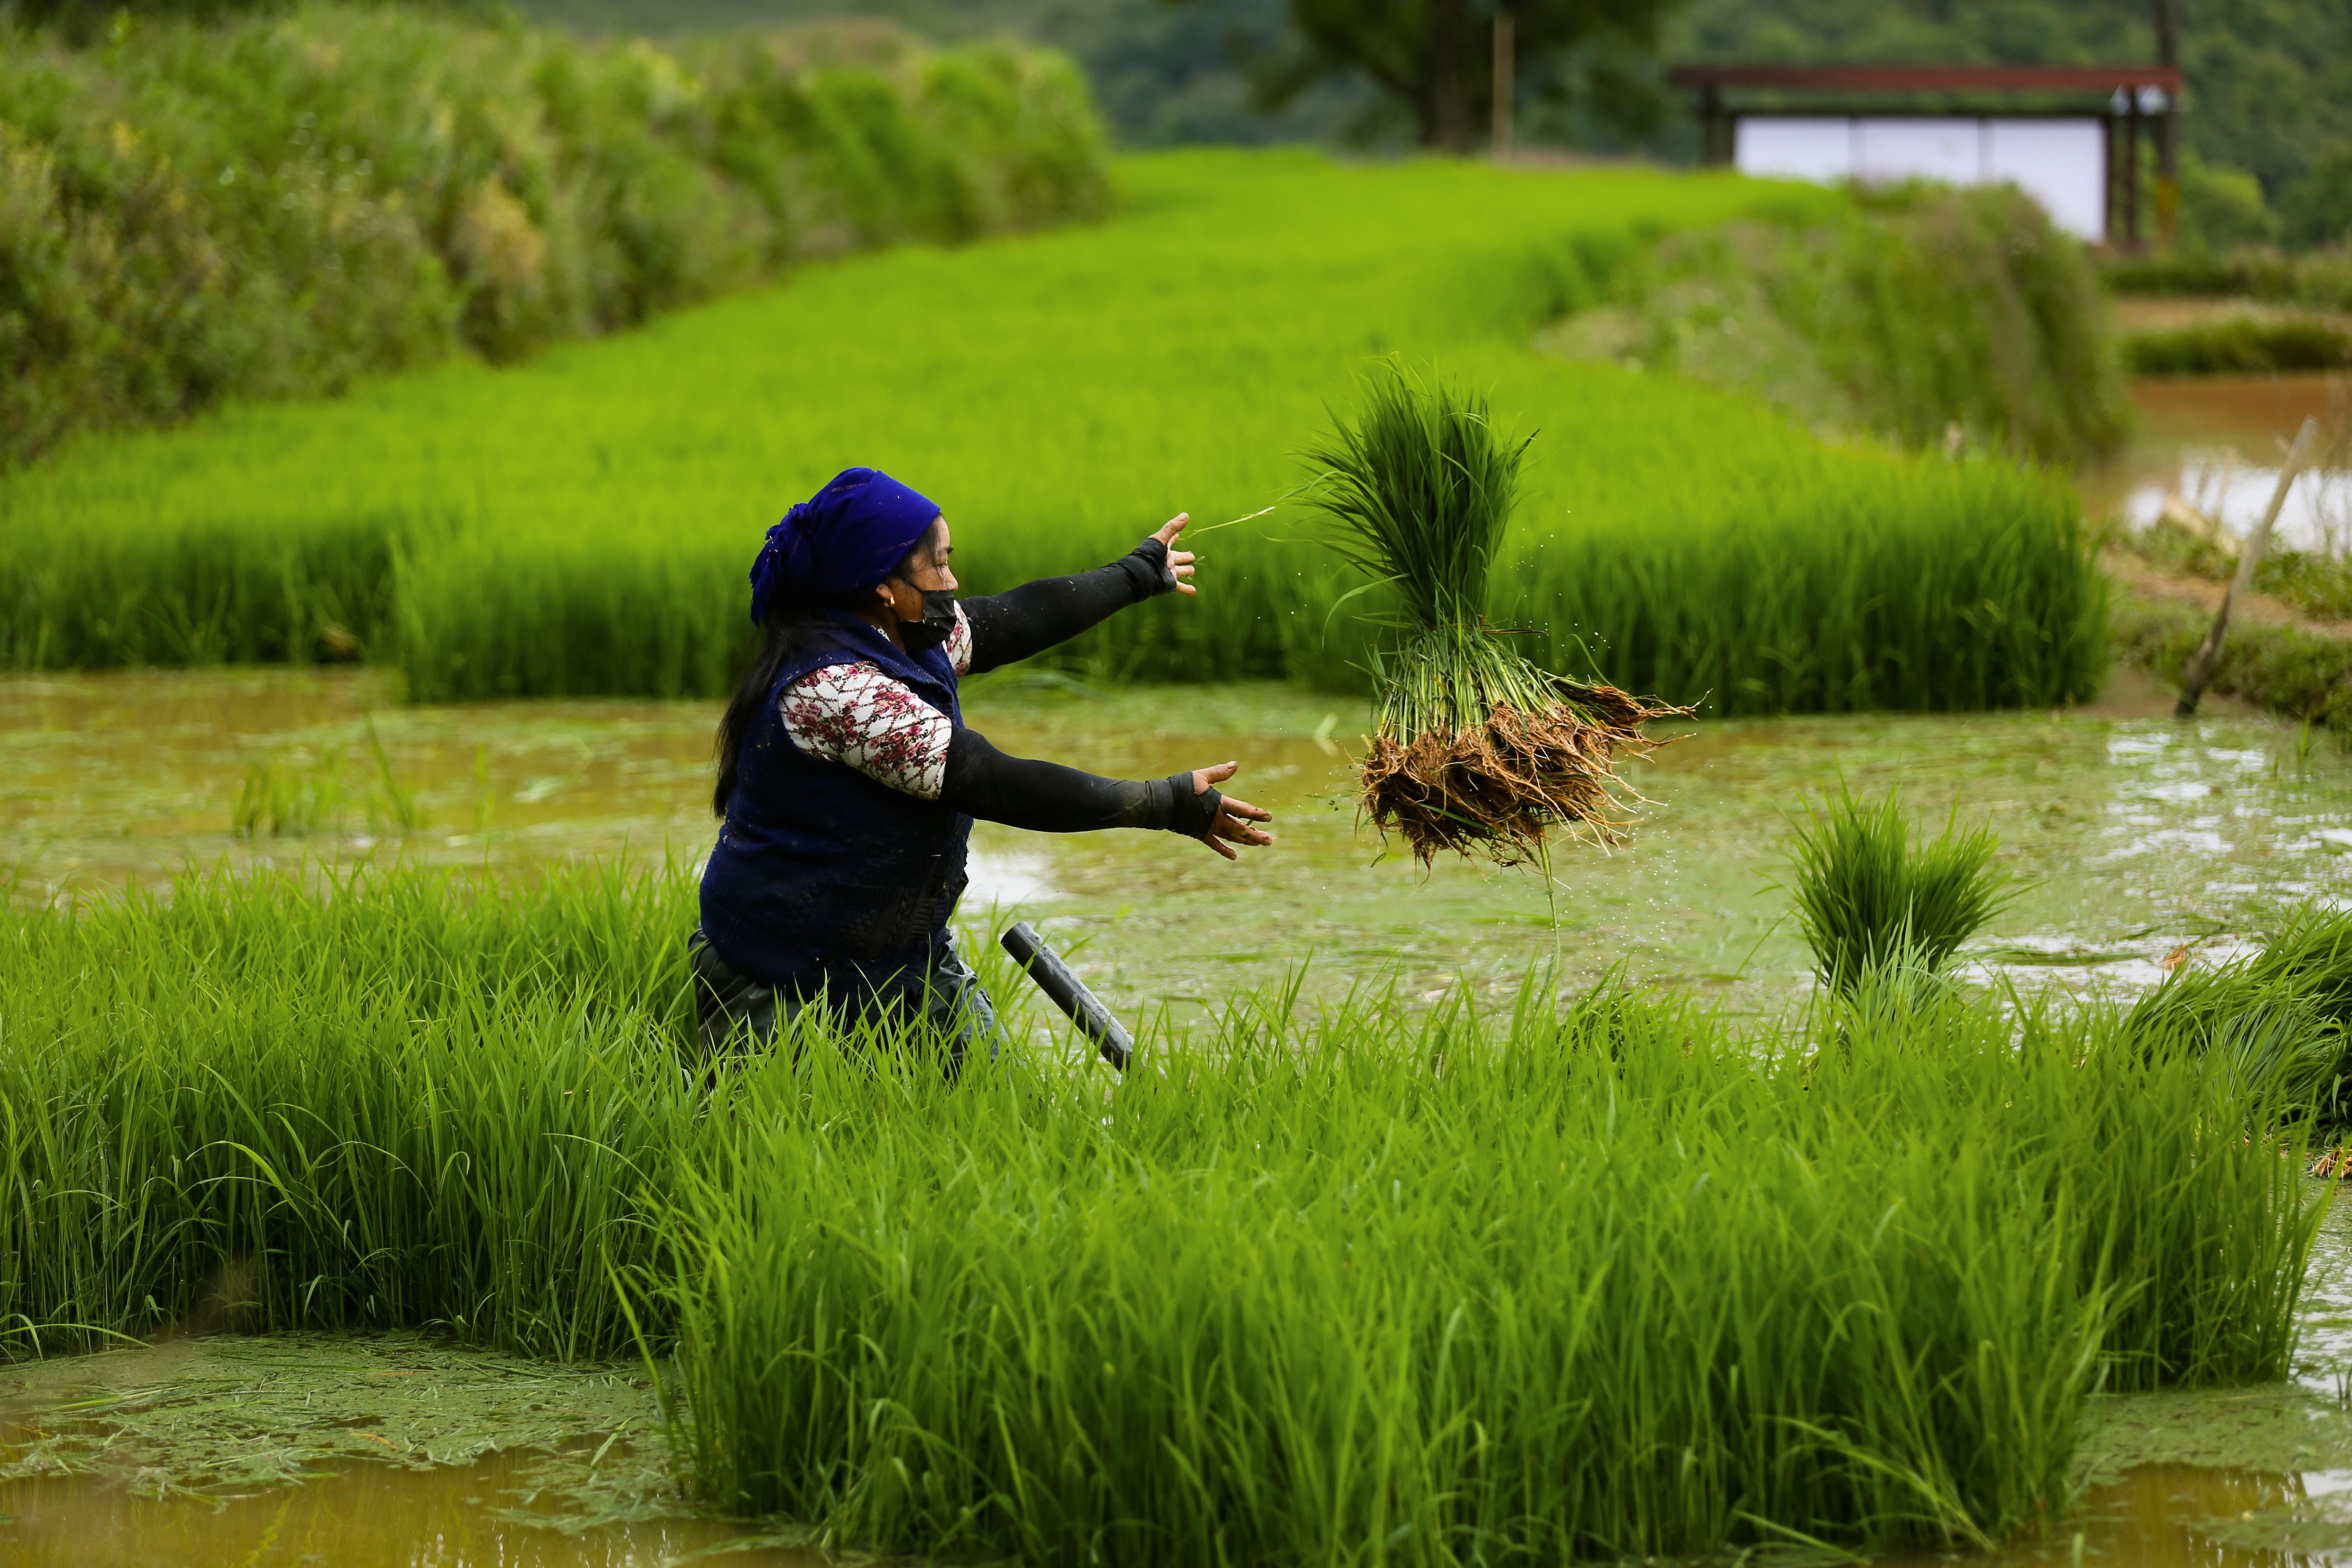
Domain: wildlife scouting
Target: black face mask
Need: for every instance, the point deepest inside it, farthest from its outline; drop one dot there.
(939, 620)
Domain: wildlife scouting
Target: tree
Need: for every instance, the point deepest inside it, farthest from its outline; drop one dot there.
(1432, 54)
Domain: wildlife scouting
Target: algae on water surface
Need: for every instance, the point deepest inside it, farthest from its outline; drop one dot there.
(223, 1413)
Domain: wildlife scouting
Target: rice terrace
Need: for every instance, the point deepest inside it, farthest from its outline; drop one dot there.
(1223, 783)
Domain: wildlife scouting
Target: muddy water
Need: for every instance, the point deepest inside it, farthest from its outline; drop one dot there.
(2217, 442)
(345, 1451)
(359, 1515)
(2139, 835)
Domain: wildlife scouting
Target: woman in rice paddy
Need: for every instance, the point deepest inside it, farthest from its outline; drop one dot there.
(848, 781)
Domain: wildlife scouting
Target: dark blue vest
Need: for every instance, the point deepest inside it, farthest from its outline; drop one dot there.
(822, 875)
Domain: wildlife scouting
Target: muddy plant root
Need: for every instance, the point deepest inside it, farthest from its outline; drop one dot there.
(1495, 789)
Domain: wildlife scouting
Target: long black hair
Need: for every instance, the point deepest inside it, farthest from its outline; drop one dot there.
(787, 630)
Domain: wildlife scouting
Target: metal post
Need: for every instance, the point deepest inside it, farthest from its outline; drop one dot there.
(1506, 79)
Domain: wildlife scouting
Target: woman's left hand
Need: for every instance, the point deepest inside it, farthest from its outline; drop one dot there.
(1180, 562)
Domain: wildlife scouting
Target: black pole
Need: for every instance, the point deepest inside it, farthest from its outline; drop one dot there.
(1069, 993)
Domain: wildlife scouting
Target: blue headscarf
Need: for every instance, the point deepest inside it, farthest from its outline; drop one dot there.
(839, 542)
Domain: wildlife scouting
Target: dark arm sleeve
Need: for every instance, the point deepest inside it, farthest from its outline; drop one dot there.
(1048, 797)
(1008, 627)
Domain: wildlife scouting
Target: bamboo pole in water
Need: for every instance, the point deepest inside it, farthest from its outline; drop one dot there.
(2200, 668)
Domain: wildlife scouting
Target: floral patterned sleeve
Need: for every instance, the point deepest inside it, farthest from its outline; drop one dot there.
(855, 715)
(959, 644)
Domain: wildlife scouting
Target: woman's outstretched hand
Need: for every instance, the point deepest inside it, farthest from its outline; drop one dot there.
(1236, 819)
(1180, 562)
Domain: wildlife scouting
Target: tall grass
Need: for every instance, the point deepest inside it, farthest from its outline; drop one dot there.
(583, 522)
(1607, 1276)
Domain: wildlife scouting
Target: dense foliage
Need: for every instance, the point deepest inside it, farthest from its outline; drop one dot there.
(281, 206)
(1916, 310)
(1610, 1276)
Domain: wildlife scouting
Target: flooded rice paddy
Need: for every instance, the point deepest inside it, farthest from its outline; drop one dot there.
(2135, 836)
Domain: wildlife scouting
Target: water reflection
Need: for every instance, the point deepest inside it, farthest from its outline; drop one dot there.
(2219, 486)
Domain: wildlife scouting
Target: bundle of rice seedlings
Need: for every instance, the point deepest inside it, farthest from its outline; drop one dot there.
(1477, 749)
(1870, 899)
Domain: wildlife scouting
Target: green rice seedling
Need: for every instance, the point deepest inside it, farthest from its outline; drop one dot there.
(1259, 1333)
(1875, 904)
(2280, 1018)
(1476, 749)
(1615, 1279)
(287, 797)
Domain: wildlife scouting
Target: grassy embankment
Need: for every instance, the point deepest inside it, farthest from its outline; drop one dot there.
(278, 206)
(1618, 1278)
(582, 523)
(2289, 656)
(1914, 313)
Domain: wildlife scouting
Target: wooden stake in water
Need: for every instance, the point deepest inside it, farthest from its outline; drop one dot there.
(2200, 668)
(1507, 79)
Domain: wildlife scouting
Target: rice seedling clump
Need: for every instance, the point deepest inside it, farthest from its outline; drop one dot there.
(1478, 749)
(1870, 898)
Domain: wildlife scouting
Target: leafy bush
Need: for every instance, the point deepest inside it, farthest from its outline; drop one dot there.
(279, 207)
(1917, 308)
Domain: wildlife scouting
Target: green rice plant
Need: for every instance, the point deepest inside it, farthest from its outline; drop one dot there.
(568, 525)
(286, 797)
(1612, 1277)
(2281, 1016)
(1260, 1332)
(1872, 903)
(1474, 748)
(2322, 279)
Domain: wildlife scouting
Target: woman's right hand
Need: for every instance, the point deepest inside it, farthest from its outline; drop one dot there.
(1237, 820)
